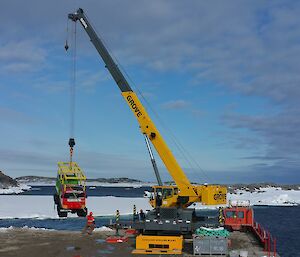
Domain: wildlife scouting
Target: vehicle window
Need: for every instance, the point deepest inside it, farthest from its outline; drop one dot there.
(69, 196)
(158, 190)
(167, 192)
(229, 214)
(78, 188)
(73, 196)
(175, 191)
(241, 214)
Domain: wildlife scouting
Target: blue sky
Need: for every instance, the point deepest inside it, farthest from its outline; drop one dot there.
(223, 77)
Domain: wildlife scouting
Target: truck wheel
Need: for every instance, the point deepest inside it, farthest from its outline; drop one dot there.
(82, 212)
(61, 214)
(55, 197)
(85, 211)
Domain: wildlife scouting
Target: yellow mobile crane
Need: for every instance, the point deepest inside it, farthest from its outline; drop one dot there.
(184, 193)
(165, 198)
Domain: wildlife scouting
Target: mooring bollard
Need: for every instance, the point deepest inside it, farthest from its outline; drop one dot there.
(117, 222)
(135, 215)
(221, 218)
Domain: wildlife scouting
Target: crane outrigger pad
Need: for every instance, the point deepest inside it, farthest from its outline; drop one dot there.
(158, 245)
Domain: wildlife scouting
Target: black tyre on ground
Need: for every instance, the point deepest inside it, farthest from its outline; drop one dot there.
(55, 197)
(61, 214)
(82, 212)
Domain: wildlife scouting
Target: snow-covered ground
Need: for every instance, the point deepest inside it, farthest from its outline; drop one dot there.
(272, 196)
(4, 229)
(32, 206)
(14, 190)
(26, 228)
(103, 228)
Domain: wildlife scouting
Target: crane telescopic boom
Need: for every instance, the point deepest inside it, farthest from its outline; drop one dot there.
(186, 193)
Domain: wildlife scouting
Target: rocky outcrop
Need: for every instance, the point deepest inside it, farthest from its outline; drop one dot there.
(51, 180)
(6, 181)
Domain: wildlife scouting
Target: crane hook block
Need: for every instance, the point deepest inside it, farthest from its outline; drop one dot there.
(71, 142)
(66, 46)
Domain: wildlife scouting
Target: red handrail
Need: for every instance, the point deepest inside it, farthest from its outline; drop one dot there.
(265, 238)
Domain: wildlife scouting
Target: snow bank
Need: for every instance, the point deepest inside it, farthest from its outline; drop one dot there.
(25, 228)
(271, 196)
(103, 229)
(6, 229)
(42, 207)
(15, 190)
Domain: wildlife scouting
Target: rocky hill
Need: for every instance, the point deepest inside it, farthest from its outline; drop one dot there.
(35, 180)
(232, 188)
(260, 187)
(51, 180)
(6, 181)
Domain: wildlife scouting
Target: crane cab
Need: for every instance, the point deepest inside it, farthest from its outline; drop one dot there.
(164, 196)
(170, 196)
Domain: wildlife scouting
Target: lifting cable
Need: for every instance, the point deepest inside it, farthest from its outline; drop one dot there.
(72, 86)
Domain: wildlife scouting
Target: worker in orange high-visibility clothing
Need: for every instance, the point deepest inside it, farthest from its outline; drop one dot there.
(90, 224)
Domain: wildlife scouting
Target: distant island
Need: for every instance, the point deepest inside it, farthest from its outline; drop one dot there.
(6, 182)
(51, 180)
(270, 194)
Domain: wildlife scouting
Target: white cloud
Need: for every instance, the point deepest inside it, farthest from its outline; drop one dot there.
(176, 104)
(8, 115)
(21, 56)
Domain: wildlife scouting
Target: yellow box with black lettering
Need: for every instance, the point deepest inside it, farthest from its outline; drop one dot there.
(158, 245)
(212, 194)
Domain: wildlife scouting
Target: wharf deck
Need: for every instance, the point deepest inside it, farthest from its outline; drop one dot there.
(247, 242)
(239, 241)
(27, 242)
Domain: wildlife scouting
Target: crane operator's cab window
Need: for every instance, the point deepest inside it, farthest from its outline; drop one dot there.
(175, 191)
(167, 193)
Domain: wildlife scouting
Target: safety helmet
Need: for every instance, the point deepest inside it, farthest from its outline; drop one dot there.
(91, 213)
